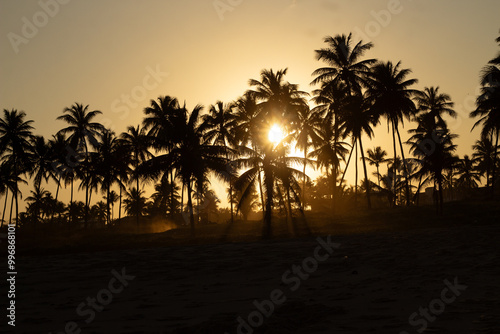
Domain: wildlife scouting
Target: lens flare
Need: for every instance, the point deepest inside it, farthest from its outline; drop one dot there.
(276, 134)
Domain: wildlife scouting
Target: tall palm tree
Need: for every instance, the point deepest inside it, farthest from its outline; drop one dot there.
(434, 150)
(42, 158)
(135, 202)
(468, 175)
(488, 108)
(137, 142)
(35, 200)
(484, 153)
(390, 93)
(280, 101)
(273, 162)
(83, 133)
(159, 125)
(359, 118)
(107, 165)
(435, 104)
(307, 136)
(375, 158)
(112, 198)
(344, 66)
(219, 129)
(15, 144)
(191, 157)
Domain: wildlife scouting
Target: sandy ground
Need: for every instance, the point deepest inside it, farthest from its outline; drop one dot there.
(373, 283)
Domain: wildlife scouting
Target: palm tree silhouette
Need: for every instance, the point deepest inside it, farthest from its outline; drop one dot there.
(435, 104)
(358, 119)
(35, 200)
(468, 175)
(191, 157)
(134, 202)
(307, 136)
(218, 128)
(42, 159)
(15, 145)
(83, 132)
(344, 65)
(375, 158)
(137, 142)
(488, 108)
(388, 90)
(273, 162)
(434, 149)
(484, 153)
(107, 165)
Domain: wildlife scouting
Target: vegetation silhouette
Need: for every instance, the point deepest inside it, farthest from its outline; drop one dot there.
(179, 151)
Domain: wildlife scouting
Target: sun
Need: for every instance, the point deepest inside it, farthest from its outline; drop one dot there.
(276, 134)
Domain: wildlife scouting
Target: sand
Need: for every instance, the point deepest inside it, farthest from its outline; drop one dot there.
(372, 283)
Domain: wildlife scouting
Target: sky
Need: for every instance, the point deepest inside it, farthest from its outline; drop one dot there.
(117, 55)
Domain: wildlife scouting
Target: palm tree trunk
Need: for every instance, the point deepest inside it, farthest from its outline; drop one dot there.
(120, 202)
(262, 197)
(405, 169)
(266, 233)
(378, 175)
(347, 165)
(137, 185)
(11, 207)
(393, 164)
(182, 198)
(190, 207)
(356, 178)
(493, 174)
(368, 200)
(304, 180)
(107, 205)
(172, 187)
(17, 208)
(5, 205)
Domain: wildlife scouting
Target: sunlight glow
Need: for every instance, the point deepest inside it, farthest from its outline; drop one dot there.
(276, 134)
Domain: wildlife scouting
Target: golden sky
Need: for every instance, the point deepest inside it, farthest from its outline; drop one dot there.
(116, 55)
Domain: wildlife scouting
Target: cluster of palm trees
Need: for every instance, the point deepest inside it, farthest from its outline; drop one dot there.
(181, 150)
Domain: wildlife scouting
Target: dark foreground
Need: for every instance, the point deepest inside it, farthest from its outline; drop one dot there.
(398, 279)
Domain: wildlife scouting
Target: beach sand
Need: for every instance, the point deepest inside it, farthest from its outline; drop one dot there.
(372, 283)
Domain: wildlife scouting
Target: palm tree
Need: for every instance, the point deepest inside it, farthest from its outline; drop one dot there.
(435, 104)
(159, 123)
(273, 162)
(359, 118)
(307, 136)
(484, 153)
(375, 158)
(15, 143)
(280, 101)
(136, 141)
(389, 91)
(83, 132)
(488, 108)
(191, 157)
(112, 198)
(218, 128)
(468, 175)
(135, 202)
(42, 158)
(434, 149)
(35, 200)
(344, 65)
(107, 165)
